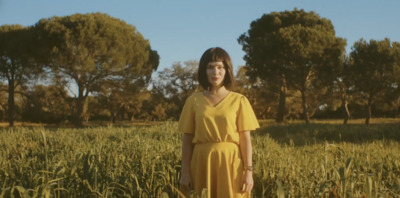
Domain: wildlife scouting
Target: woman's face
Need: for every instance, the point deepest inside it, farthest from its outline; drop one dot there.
(216, 73)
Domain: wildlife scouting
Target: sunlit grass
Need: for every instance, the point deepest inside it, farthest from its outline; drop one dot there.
(322, 159)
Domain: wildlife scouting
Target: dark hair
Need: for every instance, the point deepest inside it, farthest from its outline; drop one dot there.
(213, 55)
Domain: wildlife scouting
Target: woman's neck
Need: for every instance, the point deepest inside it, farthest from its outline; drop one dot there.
(217, 90)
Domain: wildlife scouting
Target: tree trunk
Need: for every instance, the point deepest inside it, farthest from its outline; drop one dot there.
(132, 117)
(11, 103)
(113, 117)
(282, 101)
(80, 108)
(398, 111)
(347, 112)
(304, 103)
(369, 112)
(345, 107)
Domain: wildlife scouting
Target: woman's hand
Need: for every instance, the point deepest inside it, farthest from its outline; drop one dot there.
(187, 151)
(248, 182)
(247, 154)
(186, 180)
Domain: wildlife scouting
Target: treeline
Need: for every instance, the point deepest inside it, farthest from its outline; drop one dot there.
(92, 67)
(96, 56)
(296, 56)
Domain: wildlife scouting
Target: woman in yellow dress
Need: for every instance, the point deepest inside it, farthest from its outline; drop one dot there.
(216, 125)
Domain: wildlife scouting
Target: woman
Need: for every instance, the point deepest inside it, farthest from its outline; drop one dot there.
(216, 125)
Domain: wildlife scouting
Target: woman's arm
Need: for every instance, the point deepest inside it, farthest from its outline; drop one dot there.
(247, 154)
(187, 150)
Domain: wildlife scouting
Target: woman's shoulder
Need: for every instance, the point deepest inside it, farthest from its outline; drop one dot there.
(194, 95)
(237, 95)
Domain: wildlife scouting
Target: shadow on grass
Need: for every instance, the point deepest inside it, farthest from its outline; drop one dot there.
(309, 134)
(94, 124)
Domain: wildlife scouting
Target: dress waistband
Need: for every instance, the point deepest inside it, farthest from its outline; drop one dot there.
(216, 143)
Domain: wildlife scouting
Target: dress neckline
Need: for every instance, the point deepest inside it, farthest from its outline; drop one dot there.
(219, 102)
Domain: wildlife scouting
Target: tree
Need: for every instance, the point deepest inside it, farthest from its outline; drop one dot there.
(48, 104)
(3, 101)
(124, 97)
(376, 66)
(395, 89)
(174, 85)
(295, 48)
(16, 61)
(260, 94)
(89, 49)
(343, 89)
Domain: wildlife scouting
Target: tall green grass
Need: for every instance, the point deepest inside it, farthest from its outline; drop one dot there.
(291, 160)
(326, 160)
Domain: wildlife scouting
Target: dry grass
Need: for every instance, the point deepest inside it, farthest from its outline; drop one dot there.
(322, 159)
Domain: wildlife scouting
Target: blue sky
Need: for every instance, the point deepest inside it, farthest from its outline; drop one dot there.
(181, 30)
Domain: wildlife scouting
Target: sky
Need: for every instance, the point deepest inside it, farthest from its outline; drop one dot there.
(181, 30)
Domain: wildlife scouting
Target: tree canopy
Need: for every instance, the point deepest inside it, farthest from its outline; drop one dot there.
(376, 69)
(16, 61)
(298, 46)
(91, 48)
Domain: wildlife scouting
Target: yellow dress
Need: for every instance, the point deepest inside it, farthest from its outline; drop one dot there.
(216, 164)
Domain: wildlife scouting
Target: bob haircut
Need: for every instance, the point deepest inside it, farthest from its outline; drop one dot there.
(216, 54)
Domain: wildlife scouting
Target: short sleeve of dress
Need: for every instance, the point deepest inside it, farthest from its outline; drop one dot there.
(246, 119)
(187, 118)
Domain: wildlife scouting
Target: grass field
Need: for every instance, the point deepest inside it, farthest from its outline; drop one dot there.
(323, 159)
